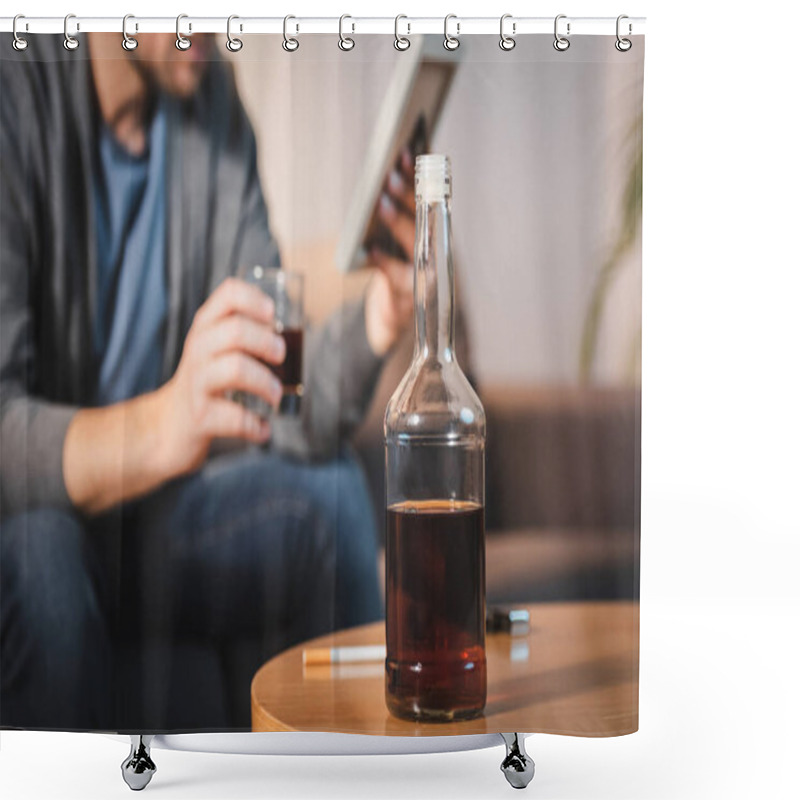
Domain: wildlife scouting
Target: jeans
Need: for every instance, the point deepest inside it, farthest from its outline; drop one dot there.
(156, 615)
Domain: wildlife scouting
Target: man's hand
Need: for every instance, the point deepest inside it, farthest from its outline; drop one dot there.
(119, 452)
(225, 351)
(390, 295)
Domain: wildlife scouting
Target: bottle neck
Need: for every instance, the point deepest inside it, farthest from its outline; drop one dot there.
(433, 281)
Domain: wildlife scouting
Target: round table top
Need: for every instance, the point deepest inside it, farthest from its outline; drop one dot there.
(576, 672)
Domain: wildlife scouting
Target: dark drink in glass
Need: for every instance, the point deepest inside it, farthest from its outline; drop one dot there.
(286, 290)
(290, 372)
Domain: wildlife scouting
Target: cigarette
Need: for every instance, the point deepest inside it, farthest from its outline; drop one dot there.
(319, 656)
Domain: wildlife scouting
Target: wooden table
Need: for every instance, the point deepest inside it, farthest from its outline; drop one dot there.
(576, 672)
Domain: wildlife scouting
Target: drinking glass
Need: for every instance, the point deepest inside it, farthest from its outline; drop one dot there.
(286, 290)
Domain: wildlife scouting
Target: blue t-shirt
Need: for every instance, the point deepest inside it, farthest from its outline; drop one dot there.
(131, 239)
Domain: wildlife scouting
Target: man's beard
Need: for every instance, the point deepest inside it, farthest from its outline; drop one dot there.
(142, 103)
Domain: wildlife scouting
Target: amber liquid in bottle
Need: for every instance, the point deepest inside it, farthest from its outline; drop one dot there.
(435, 431)
(435, 609)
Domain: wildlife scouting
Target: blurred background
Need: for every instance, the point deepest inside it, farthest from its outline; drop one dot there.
(546, 158)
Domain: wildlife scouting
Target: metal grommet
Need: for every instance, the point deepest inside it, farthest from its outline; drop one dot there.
(290, 44)
(128, 42)
(18, 43)
(181, 41)
(346, 43)
(623, 45)
(233, 44)
(401, 42)
(451, 42)
(70, 42)
(561, 43)
(507, 42)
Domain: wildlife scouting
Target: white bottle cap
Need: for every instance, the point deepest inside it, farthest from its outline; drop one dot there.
(432, 177)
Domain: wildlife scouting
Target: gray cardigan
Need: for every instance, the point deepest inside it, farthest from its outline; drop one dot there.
(217, 221)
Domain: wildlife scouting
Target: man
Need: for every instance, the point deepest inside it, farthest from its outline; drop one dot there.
(129, 197)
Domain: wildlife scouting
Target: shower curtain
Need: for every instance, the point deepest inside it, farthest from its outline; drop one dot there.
(173, 559)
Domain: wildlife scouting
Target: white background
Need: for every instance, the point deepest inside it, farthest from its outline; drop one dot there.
(720, 603)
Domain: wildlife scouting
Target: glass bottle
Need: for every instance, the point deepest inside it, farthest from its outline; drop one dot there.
(435, 431)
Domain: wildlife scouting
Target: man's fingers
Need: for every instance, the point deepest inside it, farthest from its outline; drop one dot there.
(400, 277)
(407, 164)
(235, 296)
(237, 371)
(399, 223)
(399, 273)
(402, 192)
(237, 332)
(230, 420)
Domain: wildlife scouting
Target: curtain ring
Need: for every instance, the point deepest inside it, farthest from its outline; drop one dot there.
(507, 42)
(401, 42)
(128, 42)
(561, 43)
(181, 42)
(451, 42)
(346, 42)
(623, 45)
(18, 42)
(70, 42)
(290, 44)
(233, 44)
